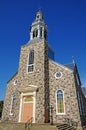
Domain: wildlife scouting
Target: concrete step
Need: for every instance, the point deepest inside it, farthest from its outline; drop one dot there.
(43, 127)
(65, 127)
(12, 126)
(21, 126)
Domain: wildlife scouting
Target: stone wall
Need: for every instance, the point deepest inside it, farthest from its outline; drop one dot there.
(11, 90)
(25, 79)
(67, 84)
(43, 77)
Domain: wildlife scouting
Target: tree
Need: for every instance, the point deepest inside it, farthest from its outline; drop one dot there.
(1, 108)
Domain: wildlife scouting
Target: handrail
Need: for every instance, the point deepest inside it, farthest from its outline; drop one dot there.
(28, 123)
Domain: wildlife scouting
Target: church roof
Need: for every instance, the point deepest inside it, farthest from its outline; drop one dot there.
(70, 66)
(12, 77)
(35, 40)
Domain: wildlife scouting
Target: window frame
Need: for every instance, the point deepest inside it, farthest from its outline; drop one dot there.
(57, 113)
(15, 82)
(28, 64)
(41, 28)
(31, 69)
(35, 33)
(12, 104)
(58, 76)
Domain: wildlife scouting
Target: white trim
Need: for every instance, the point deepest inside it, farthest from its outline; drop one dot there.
(15, 82)
(11, 106)
(56, 103)
(12, 98)
(58, 72)
(34, 104)
(20, 108)
(33, 86)
(30, 64)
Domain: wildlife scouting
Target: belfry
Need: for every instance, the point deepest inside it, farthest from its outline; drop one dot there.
(38, 27)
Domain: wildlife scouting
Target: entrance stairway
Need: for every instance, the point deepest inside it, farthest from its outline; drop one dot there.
(21, 126)
(65, 127)
(43, 127)
(12, 126)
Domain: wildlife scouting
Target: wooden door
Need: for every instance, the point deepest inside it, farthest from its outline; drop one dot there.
(27, 108)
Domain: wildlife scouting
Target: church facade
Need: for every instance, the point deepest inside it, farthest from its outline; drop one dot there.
(41, 84)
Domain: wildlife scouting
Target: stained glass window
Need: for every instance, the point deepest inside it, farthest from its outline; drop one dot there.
(60, 101)
(27, 98)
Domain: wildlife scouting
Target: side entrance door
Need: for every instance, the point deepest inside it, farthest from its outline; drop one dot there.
(27, 108)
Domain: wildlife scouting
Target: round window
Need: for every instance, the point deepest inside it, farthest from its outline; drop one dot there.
(58, 74)
(15, 82)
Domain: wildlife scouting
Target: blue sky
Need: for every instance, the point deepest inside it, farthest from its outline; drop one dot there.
(66, 21)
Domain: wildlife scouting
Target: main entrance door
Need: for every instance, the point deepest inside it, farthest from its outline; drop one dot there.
(27, 108)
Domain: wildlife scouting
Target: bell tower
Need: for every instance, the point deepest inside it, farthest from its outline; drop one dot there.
(38, 28)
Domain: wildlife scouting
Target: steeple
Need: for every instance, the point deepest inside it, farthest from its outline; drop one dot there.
(39, 16)
(73, 60)
(38, 27)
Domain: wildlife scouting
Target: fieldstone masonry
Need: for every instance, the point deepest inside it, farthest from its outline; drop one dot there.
(43, 83)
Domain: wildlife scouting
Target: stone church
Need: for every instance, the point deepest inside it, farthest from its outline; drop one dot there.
(42, 87)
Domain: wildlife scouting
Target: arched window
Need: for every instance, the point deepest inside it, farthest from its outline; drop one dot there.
(40, 31)
(35, 33)
(60, 102)
(31, 61)
(12, 105)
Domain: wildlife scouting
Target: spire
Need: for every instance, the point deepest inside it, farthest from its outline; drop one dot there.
(73, 60)
(38, 27)
(39, 16)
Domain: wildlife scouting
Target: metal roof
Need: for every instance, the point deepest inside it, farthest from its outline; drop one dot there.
(70, 66)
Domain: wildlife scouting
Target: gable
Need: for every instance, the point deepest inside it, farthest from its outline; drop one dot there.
(63, 67)
(13, 77)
